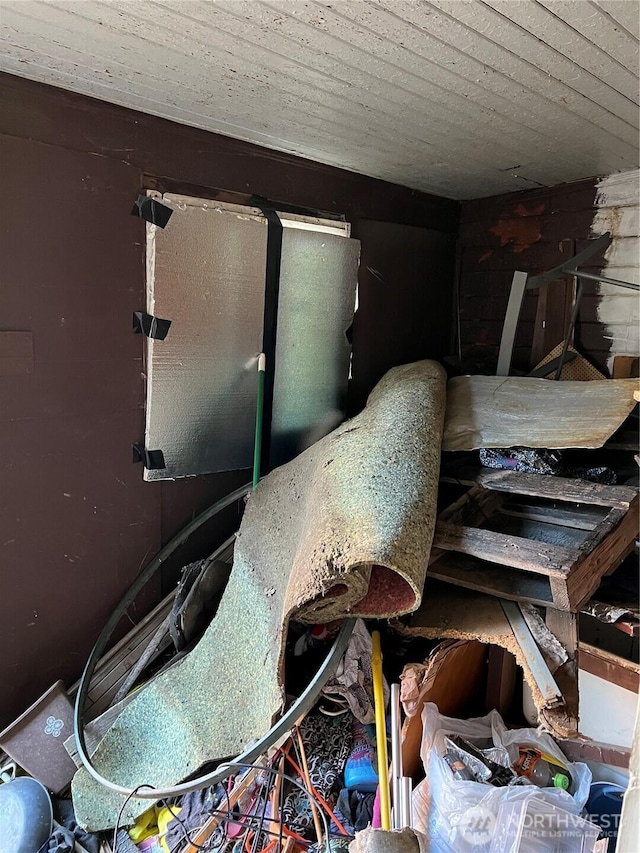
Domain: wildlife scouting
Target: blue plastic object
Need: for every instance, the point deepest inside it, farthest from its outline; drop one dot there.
(359, 772)
(26, 815)
(604, 807)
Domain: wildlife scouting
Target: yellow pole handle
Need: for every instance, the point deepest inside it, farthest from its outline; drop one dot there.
(381, 731)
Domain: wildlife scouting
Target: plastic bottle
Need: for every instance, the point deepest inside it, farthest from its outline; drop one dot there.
(542, 769)
(458, 767)
(359, 772)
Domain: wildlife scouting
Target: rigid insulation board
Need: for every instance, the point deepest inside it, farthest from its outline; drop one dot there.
(499, 411)
(205, 273)
(318, 279)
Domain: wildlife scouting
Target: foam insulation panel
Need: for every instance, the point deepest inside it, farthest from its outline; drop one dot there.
(205, 273)
(618, 211)
(498, 411)
(318, 278)
(345, 528)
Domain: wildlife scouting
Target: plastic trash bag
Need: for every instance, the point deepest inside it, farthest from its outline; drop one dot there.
(462, 816)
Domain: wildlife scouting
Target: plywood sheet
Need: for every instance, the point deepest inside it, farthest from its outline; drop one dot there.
(498, 411)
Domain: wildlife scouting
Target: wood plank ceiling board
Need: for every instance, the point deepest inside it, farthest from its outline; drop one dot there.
(606, 81)
(623, 13)
(460, 99)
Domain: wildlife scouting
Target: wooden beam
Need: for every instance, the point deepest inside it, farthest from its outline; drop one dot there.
(580, 749)
(582, 518)
(612, 668)
(564, 626)
(553, 488)
(531, 556)
(502, 581)
(605, 557)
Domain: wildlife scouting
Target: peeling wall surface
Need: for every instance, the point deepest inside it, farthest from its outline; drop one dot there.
(535, 231)
(618, 211)
(77, 521)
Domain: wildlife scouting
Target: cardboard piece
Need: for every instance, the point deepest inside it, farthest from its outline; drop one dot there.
(454, 673)
(36, 739)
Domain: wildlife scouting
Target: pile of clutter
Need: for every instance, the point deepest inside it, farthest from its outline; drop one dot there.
(483, 787)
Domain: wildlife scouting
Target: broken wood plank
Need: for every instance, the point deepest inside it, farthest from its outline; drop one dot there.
(559, 594)
(551, 560)
(564, 626)
(511, 411)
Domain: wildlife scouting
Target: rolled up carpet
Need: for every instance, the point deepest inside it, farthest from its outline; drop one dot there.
(344, 529)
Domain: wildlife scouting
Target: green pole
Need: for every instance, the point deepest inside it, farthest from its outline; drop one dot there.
(257, 445)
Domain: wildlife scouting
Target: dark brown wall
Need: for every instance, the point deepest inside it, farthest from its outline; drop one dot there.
(531, 231)
(76, 520)
(403, 307)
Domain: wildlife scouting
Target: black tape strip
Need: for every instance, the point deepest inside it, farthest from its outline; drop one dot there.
(270, 324)
(151, 210)
(296, 209)
(349, 335)
(152, 327)
(153, 459)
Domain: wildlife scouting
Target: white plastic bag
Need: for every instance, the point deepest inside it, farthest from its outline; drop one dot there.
(461, 817)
